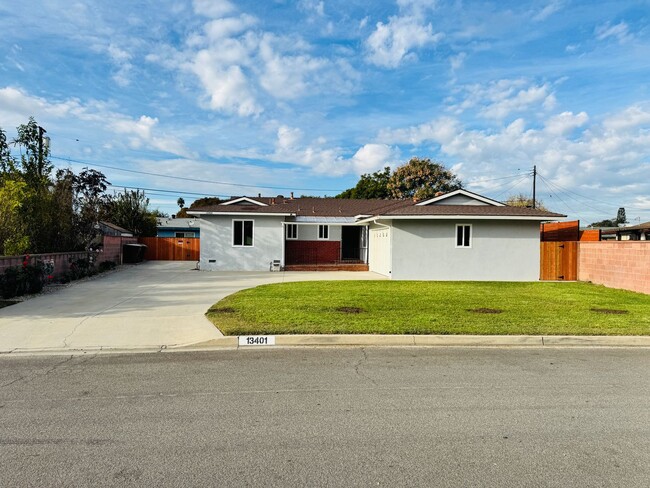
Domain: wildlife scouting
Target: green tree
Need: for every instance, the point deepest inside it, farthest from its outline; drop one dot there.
(180, 202)
(620, 216)
(130, 209)
(422, 178)
(521, 200)
(199, 202)
(13, 232)
(373, 185)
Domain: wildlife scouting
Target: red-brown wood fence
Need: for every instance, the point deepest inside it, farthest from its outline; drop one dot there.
(172, 248)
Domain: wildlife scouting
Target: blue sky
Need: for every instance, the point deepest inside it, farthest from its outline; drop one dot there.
(218, 97)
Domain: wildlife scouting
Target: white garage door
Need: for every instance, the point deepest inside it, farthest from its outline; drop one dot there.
(379, 261)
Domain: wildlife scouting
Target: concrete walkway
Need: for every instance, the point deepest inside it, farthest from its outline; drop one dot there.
(151, 305)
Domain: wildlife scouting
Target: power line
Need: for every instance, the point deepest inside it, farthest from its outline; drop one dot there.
(558, 188)
(196, 180)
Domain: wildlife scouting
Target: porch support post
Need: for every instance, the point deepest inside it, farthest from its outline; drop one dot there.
(284, 235)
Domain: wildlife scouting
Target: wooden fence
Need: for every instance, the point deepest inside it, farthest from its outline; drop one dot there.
(558, 261)
(172, 248)
(567, 231)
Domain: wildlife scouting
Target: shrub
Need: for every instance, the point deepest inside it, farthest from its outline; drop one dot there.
(106, 266)
(10, 283)
(18, 280)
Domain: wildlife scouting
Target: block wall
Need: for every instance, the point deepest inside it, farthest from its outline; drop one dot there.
(616, 264)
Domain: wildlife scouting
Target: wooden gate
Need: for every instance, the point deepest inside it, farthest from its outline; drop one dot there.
(172, 248)
(558, 261)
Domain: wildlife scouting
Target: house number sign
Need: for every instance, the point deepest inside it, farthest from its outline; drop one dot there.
(260, 340)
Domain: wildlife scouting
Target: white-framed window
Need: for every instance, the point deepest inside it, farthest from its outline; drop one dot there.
(323, 232)
(292, 231)
(242, 233)
(463, 235)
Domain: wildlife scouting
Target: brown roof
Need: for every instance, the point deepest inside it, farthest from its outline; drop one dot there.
(643, 226)
(339, 207)
(471, 210)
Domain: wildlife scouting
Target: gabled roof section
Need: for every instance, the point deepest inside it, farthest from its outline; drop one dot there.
(464, 193)
(241, 200)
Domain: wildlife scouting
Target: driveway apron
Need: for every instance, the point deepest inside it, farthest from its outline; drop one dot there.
(153, 304)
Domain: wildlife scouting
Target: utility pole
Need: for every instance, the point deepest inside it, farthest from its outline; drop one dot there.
(41, 131)
(534, 183)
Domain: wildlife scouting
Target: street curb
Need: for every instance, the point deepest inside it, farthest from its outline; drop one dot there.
(360, 340)
(321, 340)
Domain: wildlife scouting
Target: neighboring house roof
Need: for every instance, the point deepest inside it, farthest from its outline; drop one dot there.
(176, 224)
(107, 228)
(642, 227)
(364, 210)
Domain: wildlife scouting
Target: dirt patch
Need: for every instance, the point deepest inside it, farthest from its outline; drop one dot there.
(349, 310)
(484, 310)
(609, 311)
(222, 310)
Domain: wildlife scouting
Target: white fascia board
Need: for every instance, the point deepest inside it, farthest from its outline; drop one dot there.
(466, 193)
(464, 217)
(244, 199)
(243, 214)
(331, 224)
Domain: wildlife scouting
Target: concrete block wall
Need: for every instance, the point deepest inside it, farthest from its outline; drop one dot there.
(60, 260)
(616, 264)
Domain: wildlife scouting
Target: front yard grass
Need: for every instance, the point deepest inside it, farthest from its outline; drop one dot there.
(410, 307)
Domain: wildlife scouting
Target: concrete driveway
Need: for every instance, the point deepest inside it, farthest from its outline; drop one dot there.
(154, 304)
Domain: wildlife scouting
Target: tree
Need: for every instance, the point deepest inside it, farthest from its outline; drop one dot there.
(130, 209)
(13, 233)
(370, 186)
(34, 163)
(620, 219)
(421, 178)
(180, 202)
(522, 200)
(199, 202)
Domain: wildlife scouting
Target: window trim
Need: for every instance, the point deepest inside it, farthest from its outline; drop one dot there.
(232, 240)
(471, 235)
(325, 234)
(286, 232)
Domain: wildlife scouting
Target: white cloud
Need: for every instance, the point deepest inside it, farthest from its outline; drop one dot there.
(500, 98)
(618, 31)
(227, 87)
(15, 103)
(570, 150)
(219, 29)
(630, 118)
(329, 160)
(566, 122)
(372, 157)
(549, 9)
(394, 42)
(213, 8)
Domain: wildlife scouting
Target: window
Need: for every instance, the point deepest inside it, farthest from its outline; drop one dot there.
(184, 234)
(463, 235)
(323, 231)
(292, 231)
(242, 233)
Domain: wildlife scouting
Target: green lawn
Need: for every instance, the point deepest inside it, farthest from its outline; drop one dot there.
(408, 307)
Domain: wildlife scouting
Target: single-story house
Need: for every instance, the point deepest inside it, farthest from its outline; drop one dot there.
(454, 236)
(640, 232)
(173, 227)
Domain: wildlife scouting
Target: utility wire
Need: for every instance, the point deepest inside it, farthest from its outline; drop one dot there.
(70, 160)
(550, 184)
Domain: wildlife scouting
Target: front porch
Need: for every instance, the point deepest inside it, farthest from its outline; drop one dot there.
(327, 267)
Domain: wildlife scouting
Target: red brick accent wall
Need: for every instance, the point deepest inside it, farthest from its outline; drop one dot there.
(617, 264)
(312, 252)
(112, 250)
(61, 261)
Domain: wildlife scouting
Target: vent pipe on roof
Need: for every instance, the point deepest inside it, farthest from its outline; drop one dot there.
(259, 195)
(272, 201)
(291, 195)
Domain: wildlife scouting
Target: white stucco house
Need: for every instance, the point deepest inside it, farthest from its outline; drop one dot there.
(455, 236)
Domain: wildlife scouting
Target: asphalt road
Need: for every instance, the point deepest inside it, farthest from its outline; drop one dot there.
(328, 417)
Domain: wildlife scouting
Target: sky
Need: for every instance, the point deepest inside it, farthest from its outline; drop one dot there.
(191, 98)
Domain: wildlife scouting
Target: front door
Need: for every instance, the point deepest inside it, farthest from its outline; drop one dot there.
(350, 243)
